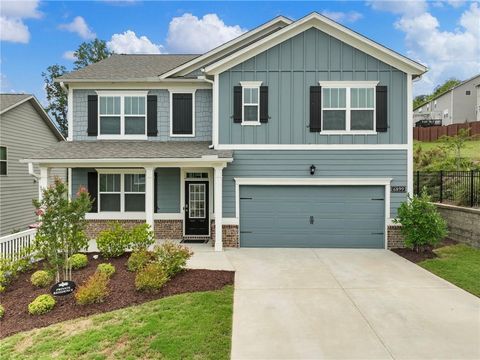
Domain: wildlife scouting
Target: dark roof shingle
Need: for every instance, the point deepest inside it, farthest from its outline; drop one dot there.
(128, 149)
(121, 67)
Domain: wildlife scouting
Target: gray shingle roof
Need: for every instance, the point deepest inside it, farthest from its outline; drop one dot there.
(8, 100)
(128, 67)
(128, 149)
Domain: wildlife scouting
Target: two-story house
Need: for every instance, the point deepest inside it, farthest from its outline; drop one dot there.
(295, 134)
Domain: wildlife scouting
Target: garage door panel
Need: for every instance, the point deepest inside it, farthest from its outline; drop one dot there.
(312, 216)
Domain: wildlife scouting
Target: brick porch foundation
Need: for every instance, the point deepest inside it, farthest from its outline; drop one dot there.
(394, 237)
(95, 226)
(229, 235)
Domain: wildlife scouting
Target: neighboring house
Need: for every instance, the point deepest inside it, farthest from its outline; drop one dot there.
(477, 88)
(295, 134)
(25, 128)
(458, 105)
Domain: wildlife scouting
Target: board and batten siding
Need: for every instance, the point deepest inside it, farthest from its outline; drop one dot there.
(23, 132)
(168, 187)
(289, 69)
(203, 115)
(328, 163)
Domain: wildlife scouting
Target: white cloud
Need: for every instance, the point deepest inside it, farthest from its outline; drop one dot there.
(13, 30)
(80, 27)
(12, 27)
(446, 53)
(339, 16)
(69, 55)
(189, 34)
(129, 43)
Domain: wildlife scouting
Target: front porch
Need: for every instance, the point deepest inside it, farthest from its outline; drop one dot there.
(175, 188)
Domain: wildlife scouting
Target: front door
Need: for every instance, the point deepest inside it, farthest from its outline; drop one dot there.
(196, 208)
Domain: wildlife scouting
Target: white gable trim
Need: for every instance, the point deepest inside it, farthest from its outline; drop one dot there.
(328, 26)
(224, 48)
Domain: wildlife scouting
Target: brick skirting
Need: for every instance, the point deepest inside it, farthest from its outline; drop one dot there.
(229, 235)
(394, 237)
(95, 226)
(169, 229)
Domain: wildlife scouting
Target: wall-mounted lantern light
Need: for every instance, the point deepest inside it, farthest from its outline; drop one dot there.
(312, 169)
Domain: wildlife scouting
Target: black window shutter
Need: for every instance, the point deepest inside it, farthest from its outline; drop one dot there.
(152, 115)
(264, 104)
(155, 191)
(315, 108)
(93, 190)
(381, 108)
(237, 104)
(182, 120)
(92, 115)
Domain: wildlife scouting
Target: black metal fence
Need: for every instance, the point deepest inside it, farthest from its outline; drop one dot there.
(460, 188)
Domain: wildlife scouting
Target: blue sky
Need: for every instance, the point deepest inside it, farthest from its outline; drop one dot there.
(444, 35)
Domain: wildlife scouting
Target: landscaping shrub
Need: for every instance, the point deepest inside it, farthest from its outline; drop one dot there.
(422, 225)
(9, 269)
(141, 237)
(2, 311)
(139, 259)
(41, 278)
(41, 305)
(94, 290)
(173, 257)
(151, 278)
(113, 242)
(107, 269)
(78, 261)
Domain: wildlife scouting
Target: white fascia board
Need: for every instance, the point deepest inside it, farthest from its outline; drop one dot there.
(348, 83)
(312, 181)
(138, 85)
(224, 48)
(157, 162)
(311, 147)
(331, 28)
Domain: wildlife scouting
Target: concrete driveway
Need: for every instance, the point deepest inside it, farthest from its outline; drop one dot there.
(344, 304)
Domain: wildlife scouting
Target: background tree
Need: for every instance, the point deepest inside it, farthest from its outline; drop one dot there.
(90, 52)
(419, 100)
(86, 54)
(56, 96)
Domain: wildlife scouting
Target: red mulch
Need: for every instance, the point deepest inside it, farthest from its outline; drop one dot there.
(415, 257)
(21, 292)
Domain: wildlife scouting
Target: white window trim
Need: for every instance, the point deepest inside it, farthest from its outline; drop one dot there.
(122, 95)
(250, 85)
(6, 161)
(182, 91)
(348, 85)
(122, 191)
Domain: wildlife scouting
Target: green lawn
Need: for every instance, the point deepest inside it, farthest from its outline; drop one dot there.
(459, 264)
(471, 150)
(187, 326)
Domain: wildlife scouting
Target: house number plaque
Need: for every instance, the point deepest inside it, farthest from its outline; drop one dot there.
(398, 189)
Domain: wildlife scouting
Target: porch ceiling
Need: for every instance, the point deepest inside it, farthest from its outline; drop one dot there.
(127, 150)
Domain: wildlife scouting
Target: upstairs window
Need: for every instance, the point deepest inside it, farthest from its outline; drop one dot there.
(250, 102)
(122, 114)
(348, 109)
(3, 160)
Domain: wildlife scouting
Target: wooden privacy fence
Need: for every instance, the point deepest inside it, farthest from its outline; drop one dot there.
(12, 245)
(435, 132)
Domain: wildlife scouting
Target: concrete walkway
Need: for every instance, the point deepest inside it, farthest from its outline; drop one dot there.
(343, 304)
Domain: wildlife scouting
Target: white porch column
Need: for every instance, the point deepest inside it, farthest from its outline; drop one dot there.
(218, 208)
(43, 181)
(149, 195)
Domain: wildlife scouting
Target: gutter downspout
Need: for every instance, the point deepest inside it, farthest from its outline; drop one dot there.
(204, 78)
(32, 172)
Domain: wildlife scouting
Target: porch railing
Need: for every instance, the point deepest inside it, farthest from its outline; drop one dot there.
(12, 245)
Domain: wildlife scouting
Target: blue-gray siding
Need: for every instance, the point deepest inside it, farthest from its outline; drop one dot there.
(329, 164)
(312, 216)
(203, 115)
(79, 178)
(289, 69)
(168, 190)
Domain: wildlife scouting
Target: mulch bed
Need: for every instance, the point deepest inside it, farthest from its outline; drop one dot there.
(415, 257)
(122, 294)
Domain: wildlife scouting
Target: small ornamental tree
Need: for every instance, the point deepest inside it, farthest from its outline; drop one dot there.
(61, 233)
(422, 225)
